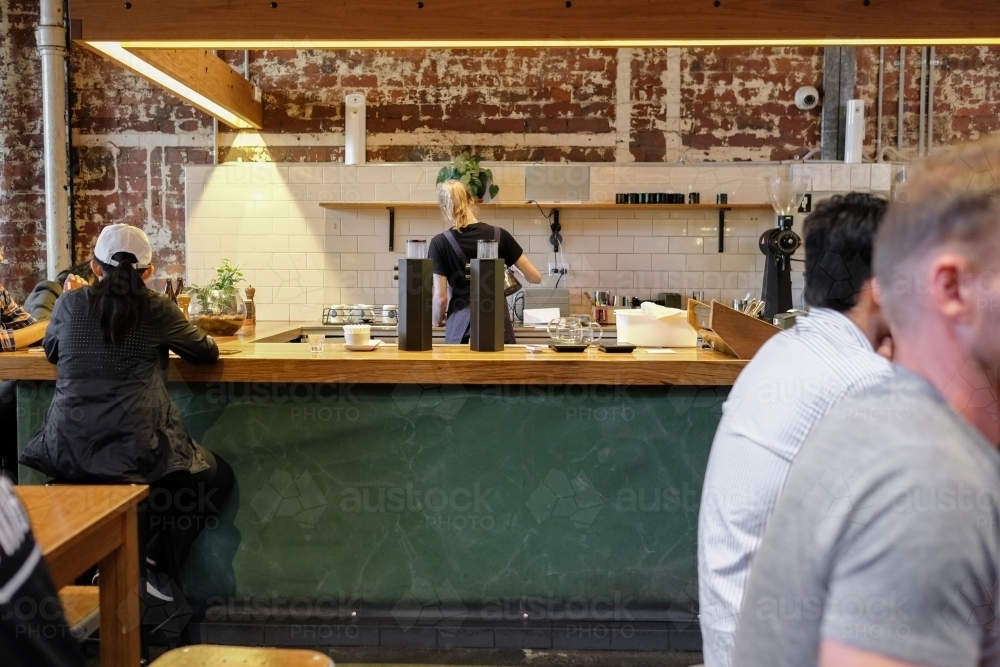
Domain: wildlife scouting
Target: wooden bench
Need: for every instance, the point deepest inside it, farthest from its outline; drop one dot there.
(206, 655)
(82, 607)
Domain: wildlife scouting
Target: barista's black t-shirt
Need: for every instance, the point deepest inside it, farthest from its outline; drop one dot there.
(447, 263)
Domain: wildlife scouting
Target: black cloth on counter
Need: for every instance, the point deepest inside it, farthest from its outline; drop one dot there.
(111, 419)
(42, 299)
(447, 263)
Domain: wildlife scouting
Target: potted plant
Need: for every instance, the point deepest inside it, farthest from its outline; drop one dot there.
(465, 167)
(218, 307)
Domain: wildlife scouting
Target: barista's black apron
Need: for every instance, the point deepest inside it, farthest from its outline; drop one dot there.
(458, 323)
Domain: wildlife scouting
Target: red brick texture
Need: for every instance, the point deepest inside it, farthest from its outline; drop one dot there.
(22, 202)
(131, 140)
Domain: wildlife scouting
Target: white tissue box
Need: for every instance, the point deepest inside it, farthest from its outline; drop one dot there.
(643, 330)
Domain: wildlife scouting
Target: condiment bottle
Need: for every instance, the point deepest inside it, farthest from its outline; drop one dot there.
(251, 308)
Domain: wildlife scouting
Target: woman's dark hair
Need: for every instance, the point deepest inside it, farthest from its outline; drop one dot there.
(121, 299)
(839, 236)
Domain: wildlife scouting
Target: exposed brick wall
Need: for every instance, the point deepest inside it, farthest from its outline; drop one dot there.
(131, 143)
(22, 203)
(740, 103)
(966, 95)
(428, 92)
(131, 140)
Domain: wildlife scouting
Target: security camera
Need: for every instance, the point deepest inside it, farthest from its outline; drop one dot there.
(806, 98)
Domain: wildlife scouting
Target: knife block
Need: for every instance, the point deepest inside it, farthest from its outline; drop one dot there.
(416, 289)
(487, 305)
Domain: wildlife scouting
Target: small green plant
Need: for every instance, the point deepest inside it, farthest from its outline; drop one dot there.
(465, 167)
(221, 292)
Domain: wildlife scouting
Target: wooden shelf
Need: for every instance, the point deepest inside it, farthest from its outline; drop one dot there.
(559, 205)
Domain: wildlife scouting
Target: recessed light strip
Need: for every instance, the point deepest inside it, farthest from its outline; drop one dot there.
(551, 43)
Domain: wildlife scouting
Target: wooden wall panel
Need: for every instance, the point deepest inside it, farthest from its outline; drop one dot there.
(255, 22)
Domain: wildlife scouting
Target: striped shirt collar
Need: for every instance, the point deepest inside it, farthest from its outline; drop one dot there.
(835, 325)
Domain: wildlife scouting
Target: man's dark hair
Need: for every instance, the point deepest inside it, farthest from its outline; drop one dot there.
(82, 270)
(839, 236)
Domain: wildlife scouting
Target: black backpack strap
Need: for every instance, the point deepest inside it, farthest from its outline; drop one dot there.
(448, 234)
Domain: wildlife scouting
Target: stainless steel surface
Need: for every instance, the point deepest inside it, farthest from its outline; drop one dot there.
(511, 285)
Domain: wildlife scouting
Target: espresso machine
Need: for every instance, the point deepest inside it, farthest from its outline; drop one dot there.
(779, 244)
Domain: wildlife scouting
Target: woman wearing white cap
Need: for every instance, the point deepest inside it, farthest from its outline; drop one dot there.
(111, 420)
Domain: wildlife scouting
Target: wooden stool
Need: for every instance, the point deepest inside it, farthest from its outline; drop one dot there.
(82, 608)
(206, 655)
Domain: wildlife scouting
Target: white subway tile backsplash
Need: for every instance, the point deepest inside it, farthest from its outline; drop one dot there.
(738, 262)
(305, 277)
(706, 262)
(288, 295)
(357, 261)
(341, 244)
(596, 262)
(357, 227)
(377, 244)
(340, 279)
(300, 257)
(663, 262)
(861, 177)
(634, 262)
(305, 174)
(290, 260)
(686, 245)
(841, 177)
(636, 227)
(616, 244)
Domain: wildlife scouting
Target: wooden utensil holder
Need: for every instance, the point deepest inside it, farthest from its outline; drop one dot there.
(730, 331)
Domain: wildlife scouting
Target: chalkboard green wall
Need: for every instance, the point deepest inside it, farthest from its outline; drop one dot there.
(477, 496)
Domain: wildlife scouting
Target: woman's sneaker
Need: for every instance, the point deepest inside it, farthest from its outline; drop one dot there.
(158, 585)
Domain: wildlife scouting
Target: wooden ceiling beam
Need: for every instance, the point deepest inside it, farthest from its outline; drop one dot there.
(206, 81)
(318, 23)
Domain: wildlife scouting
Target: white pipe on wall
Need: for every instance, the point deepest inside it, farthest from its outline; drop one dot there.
(854, 132)
(354, 129)
(51, 39)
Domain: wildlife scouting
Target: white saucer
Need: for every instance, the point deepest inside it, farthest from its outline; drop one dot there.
(367, 347)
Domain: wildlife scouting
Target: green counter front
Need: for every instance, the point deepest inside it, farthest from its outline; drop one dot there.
(529, 515)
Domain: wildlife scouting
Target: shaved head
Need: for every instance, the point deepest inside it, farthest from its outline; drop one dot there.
(951, 204)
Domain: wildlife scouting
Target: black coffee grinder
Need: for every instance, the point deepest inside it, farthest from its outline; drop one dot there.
(779, 244)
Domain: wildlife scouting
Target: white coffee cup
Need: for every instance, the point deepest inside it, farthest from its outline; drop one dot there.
(357, 334)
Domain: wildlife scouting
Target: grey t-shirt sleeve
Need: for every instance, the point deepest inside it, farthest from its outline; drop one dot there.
(914, 577)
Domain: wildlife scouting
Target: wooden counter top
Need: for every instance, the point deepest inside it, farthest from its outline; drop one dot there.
(445, 364)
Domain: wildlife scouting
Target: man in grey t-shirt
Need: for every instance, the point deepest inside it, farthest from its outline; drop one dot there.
(884, 547)
(885, 537)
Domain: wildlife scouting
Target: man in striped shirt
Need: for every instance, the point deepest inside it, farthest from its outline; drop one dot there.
(791, 383)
